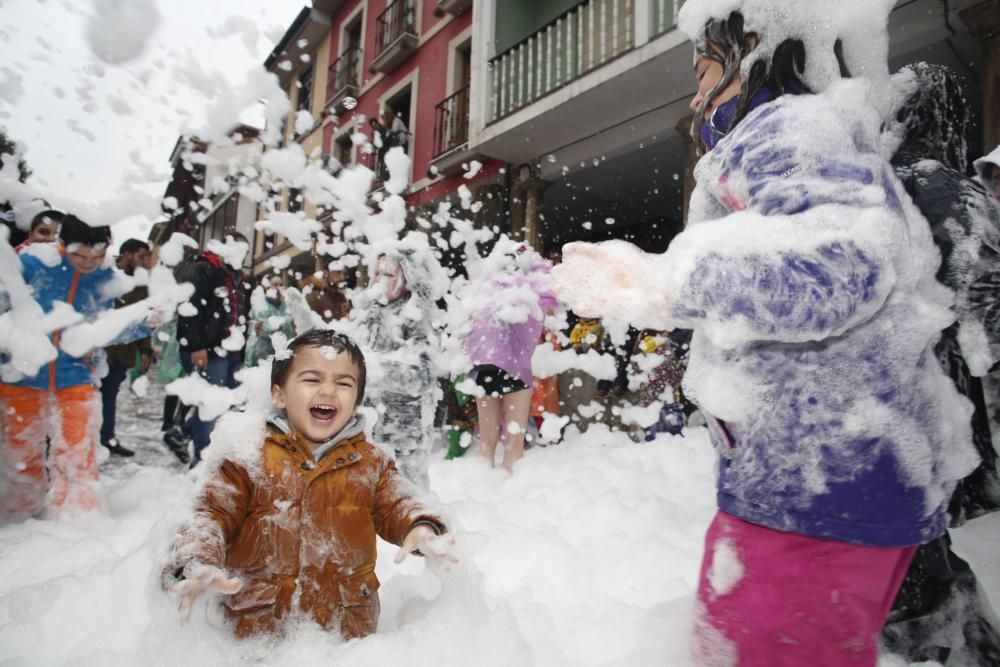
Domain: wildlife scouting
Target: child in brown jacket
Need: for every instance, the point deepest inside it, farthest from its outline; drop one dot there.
(294, 533)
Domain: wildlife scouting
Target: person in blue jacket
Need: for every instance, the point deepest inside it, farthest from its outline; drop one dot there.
(60, 402)
(809, 282)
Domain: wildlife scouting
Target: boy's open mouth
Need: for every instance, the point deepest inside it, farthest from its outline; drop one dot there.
(323, 413)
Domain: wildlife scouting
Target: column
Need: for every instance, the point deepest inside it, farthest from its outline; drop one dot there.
(683, 128)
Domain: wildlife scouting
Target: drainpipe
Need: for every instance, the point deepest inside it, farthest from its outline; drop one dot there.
(526, 198)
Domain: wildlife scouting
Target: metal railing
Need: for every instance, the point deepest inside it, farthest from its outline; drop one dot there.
(664, 15)
(344, 71)
(583, 38)
(451, 122)
(397, 20)
(371, 161)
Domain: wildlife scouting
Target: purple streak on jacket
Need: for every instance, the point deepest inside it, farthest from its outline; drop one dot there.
(507, 321)
(810, 289)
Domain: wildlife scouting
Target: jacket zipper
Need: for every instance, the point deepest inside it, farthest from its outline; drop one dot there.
(55, 337)
(727, 439)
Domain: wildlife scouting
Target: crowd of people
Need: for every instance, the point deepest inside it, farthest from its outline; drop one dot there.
(859, 336)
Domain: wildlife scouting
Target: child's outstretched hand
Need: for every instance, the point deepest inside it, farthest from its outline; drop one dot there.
(613, 279)
(423, 539)
(199, 579)
(158, 317)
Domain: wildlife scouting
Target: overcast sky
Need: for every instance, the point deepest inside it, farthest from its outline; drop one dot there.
(99, 90)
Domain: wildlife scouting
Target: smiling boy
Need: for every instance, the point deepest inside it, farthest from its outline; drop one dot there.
(293, 533)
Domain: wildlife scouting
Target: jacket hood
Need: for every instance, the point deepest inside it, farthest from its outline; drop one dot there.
(352, 428)
(993, 158)
(929, 119)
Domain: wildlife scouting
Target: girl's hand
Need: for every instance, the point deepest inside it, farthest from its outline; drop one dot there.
(199, 579)
(613, 280)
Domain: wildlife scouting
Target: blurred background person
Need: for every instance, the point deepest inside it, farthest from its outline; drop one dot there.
(44, 228)
(268, 316)
(396, 317)
(940, 613)
(212, 338)
(508, 307)
(132, 254)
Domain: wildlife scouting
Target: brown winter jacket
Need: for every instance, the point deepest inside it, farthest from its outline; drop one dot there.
(305, 525)
(328, 301)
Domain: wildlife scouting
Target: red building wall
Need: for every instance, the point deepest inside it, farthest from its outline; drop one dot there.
(431, 57)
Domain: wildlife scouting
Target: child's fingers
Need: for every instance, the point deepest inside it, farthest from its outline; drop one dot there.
(581, 249)
(184, 608)
(441, 548)
(222, 584)
(448, 558)
(402, 554)
(188, 592)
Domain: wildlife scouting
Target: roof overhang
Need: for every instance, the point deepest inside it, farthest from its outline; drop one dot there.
(304, 36)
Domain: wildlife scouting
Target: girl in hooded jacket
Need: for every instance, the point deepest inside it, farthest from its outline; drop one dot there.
(810, 286)
(397, 326)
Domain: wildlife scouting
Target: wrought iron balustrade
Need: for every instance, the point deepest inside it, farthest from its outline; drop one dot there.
(451, 122)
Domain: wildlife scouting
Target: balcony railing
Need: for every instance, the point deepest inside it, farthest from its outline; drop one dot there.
(664, 16)
(578, 41)
(371, 161)
(344, 76)
(451, 122)
(395, 35)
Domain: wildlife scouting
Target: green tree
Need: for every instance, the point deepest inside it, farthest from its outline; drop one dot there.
(7, 147)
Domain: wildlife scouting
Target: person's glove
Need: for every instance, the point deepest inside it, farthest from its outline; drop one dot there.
(423, 540)
(199, 579)
(158, 317)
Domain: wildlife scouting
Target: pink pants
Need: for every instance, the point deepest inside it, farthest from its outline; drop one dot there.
(773, 598)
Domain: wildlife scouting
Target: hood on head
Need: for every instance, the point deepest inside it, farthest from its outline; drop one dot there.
(930, 114)
(983, 163)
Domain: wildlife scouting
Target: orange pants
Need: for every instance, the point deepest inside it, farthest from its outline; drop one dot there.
(69, 418)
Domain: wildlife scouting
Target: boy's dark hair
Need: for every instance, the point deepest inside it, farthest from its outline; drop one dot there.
(132, 245)
(75, 230)
(40, 218)
(280, 368)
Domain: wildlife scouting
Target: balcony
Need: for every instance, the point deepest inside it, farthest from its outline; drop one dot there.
(594, 80)
(451, 133)
(395, 36)
(576, 42)
(344, 79)
(370, 160)
(453, 7)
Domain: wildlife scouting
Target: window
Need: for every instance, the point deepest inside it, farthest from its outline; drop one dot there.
(463, 65)
(222, 220)
(295, 200)
(348, 65)
(342, 149)
(305, 86)
(393, 126)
